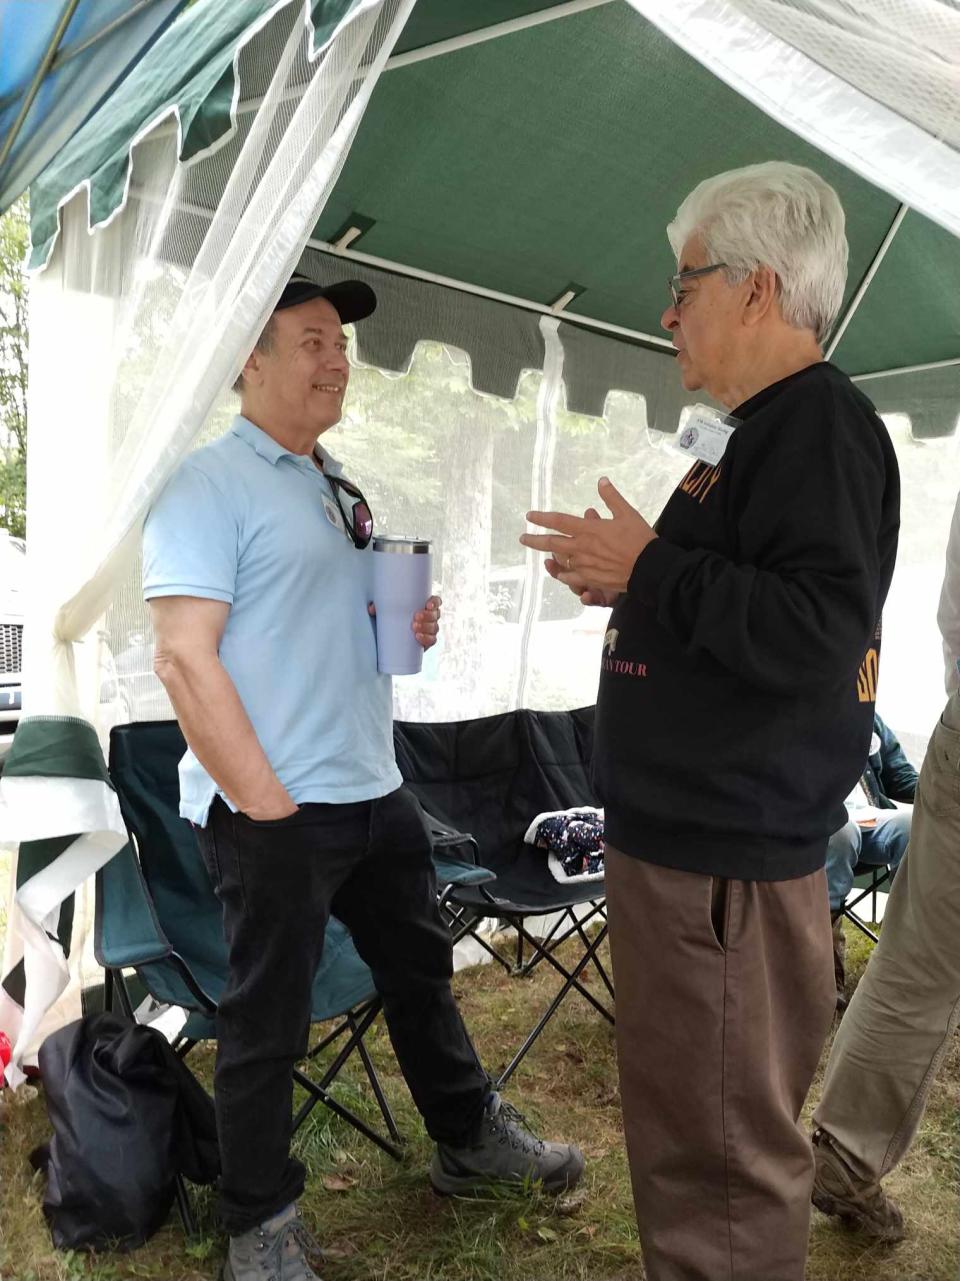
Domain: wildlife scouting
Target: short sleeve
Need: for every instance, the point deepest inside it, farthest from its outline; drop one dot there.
(191, 539)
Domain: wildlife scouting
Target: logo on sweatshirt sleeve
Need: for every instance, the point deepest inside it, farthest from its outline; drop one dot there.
(618, 666)
(869, 671)
(700, 479)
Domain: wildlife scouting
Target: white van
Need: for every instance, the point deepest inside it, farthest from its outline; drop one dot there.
(13, 561)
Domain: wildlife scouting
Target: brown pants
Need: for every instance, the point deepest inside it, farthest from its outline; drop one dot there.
(725, 995)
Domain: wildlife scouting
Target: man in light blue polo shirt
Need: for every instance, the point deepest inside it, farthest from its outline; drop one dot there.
(257, 570)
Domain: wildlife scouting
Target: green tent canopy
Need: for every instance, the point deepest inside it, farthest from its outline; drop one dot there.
(528, 149)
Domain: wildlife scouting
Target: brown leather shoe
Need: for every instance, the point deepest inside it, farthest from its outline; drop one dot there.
(860, 1203)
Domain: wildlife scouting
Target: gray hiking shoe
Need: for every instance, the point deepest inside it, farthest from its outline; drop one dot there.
(275, 1251)
(860, 1203)
(504, 1151)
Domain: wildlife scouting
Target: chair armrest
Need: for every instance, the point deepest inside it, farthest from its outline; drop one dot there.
(451, 871)
(456, 855)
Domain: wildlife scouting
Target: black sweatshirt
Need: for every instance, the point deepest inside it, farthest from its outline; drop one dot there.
(739, 671)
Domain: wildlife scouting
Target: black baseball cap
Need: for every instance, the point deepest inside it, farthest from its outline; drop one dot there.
(352, 299)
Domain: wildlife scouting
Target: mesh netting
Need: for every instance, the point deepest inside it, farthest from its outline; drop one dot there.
(135, 331)
(903, 53)
(876, 86)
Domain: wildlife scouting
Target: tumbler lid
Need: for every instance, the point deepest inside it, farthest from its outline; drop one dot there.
(382, 543)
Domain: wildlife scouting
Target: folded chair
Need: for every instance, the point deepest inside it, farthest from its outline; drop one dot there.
(156, 913)
(879, 875)
(491, 777)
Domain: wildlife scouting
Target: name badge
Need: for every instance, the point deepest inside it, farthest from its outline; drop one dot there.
(705, 435)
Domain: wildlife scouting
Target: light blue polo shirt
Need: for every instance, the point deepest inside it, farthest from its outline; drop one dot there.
(245, 521)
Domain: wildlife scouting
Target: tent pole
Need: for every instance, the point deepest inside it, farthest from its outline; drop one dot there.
(247, 105)
(59, 32)
(64, 55)
(492, 33)
(908, 369)
(462, 286)
(448, 282)
(867, 280)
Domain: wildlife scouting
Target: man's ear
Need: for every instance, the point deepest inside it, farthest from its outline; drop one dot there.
(763, 294)
(252, 373)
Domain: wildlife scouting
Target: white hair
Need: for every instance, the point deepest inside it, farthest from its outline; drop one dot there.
(774, 215)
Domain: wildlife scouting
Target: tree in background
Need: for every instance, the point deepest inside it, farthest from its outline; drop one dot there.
(14, 242)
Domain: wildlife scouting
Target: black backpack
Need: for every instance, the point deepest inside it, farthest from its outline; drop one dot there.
(128, 1116)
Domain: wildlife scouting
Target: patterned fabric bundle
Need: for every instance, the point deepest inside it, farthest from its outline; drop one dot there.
(573, 840)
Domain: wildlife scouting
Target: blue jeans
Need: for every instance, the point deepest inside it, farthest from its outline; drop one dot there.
(880, 846)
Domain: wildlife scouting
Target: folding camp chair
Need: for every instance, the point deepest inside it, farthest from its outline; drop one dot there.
(157, 914)
(879, 875)
(490, 777)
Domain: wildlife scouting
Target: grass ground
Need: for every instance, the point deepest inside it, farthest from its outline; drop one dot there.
(378, 1219)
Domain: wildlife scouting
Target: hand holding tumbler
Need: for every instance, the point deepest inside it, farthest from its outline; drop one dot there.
(402, 581)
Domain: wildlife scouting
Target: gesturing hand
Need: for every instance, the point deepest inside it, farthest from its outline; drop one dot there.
(579, 586)
(592, 556)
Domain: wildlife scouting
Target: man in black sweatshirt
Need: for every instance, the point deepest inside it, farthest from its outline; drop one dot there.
(735, 710)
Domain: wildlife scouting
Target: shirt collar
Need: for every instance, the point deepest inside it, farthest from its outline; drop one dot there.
(269, 449)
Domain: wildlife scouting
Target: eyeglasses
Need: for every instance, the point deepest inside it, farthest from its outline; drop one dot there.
(677, 293)
(357, 519)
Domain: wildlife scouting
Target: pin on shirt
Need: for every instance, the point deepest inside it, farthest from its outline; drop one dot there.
(333, 513)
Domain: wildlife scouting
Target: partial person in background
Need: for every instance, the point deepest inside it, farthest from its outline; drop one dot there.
(734, 714)
(948, 612)
(905, 1010)
(876, 831)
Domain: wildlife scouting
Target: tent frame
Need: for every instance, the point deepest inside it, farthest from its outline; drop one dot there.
(46, 62)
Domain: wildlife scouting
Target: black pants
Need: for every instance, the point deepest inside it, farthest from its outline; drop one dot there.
(369, 864)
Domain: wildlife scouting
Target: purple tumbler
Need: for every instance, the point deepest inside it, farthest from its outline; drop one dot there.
(402, 582)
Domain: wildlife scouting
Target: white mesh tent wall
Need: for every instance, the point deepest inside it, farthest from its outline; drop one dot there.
(476, 168)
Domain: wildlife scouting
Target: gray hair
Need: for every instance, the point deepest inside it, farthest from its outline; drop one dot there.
(263, 343)
(774, 215)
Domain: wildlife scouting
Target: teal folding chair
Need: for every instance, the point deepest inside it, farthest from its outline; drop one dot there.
(157, 914)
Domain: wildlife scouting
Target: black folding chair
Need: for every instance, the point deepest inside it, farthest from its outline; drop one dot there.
(879, 875)
(490, 777)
